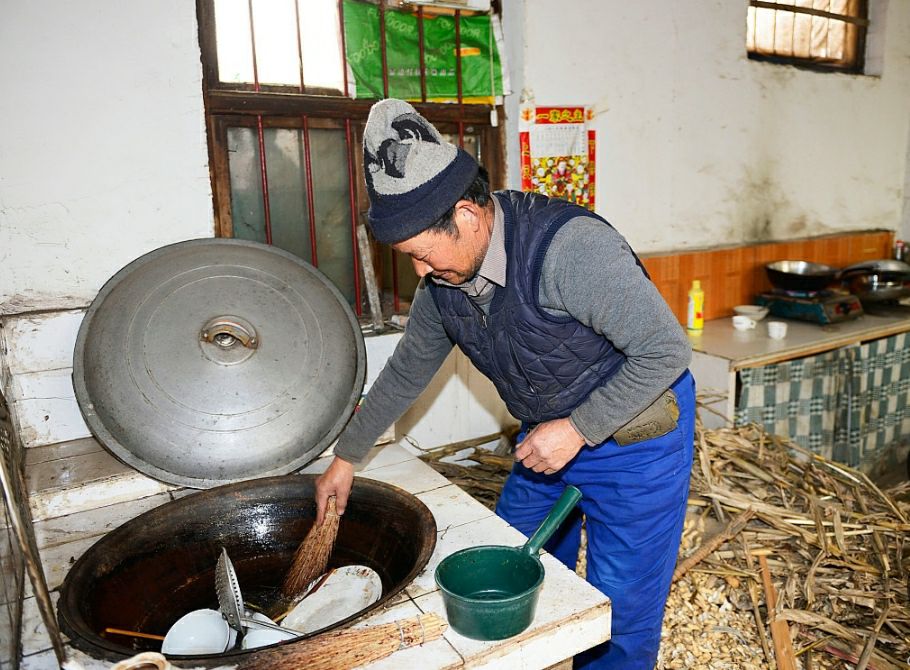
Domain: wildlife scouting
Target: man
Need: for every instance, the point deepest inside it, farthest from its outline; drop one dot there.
(549, 302)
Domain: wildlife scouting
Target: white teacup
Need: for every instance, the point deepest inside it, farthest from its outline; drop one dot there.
(741, 322)
(777, 330)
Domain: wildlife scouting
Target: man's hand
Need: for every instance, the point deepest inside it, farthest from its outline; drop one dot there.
(336, 481)
(549, 446)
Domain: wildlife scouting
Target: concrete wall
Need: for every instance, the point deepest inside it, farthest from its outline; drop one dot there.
(697, 145)
(103, 156)
(103, 153)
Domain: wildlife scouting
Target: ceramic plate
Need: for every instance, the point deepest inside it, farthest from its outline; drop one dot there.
(346, 591)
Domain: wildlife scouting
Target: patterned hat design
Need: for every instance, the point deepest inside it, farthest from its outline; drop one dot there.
(414, 176)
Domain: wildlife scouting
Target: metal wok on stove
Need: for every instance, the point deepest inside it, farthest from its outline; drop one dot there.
(150, 571)
(800, 275)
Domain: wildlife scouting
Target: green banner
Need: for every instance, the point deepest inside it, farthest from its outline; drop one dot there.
(480, 78)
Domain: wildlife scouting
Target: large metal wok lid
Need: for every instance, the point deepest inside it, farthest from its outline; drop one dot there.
(213, 361)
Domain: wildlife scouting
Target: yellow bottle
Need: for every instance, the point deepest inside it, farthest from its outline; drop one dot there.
(695, 319)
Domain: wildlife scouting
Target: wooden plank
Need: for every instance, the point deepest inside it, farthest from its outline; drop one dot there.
(93, 523)
(369, 277)
(296, 104)
(125, 487)
(780, 630)
(61, 450)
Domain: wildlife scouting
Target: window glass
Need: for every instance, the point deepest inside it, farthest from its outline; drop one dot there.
(277, 50)
(820, 34)
(287, 186)
(296, 82)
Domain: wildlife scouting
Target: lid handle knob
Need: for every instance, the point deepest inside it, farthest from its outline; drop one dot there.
(227, 331)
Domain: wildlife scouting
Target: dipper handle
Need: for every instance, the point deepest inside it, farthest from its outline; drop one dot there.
(553, 520)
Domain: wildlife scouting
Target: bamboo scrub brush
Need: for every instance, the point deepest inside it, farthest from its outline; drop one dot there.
(350, 648)
(312, 555)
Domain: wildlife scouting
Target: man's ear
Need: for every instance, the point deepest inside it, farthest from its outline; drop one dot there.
(469, 214)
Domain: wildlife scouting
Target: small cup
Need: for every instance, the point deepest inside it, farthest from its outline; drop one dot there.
(741, 322)
(777, 330)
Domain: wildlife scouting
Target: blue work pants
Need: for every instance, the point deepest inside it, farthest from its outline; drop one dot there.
(634, 503)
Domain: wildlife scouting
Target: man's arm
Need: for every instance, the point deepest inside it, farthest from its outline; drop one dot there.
(589, 272)
(418, 356)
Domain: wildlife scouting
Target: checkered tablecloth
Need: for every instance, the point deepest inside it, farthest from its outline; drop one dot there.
(851, 405)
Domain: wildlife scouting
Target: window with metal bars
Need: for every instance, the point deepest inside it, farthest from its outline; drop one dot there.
(816, 34)
(285, 132)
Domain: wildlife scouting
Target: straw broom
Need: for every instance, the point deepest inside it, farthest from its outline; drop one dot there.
(312, 555)
(342, 650)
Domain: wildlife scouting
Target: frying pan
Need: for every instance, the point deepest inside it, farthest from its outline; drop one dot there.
(878, 280)
(490, 592)
(800, 275)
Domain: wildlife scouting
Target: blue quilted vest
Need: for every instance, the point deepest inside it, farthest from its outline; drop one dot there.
(542, 365)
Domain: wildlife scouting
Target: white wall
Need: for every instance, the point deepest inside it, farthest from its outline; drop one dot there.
(103, 152)
(699, 146)
(905, 219)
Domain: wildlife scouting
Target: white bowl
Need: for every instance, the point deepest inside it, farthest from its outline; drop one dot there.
(261, 637)
(755, 312)
(197, 633)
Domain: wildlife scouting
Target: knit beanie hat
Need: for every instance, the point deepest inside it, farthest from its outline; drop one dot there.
(413, 175)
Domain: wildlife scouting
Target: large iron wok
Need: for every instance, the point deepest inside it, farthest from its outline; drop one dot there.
(148, 572)
(227, 364)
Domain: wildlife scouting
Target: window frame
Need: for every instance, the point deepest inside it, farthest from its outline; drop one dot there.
(855, 65)
(229, 104)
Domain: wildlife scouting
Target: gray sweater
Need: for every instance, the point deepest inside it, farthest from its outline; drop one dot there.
(588, 272)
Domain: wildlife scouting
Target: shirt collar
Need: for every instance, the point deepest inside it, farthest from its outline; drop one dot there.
(493, 267)
(494, 262)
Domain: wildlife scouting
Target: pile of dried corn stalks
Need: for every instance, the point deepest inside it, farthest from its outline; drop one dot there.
(832, 541)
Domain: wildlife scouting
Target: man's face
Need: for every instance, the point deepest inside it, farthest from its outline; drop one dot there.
(454, 259)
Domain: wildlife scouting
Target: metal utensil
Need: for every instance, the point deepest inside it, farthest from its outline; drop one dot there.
(230, 599)
(875, 287)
